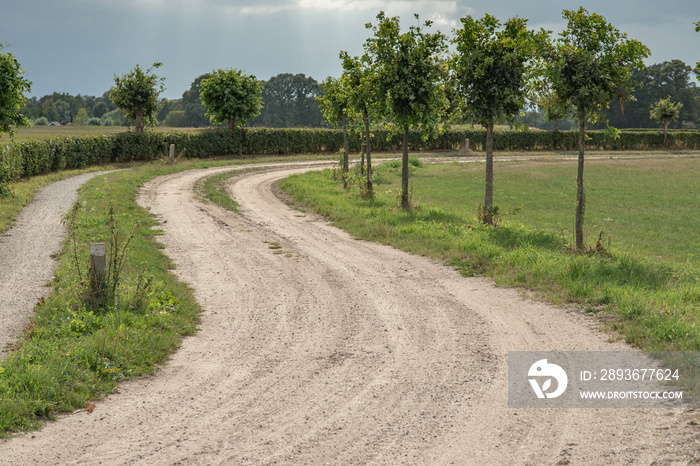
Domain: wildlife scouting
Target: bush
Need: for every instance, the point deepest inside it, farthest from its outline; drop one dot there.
(33, 157)
(94, 121)
(176, 119)
(41, 121)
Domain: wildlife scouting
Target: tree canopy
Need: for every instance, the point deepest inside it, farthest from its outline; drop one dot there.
(590, 64)
(12, 88)
(136, 94)
(231, 96)
(409, 77)
(490, 71)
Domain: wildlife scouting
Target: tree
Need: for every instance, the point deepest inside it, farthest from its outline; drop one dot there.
(409, 77)
(81, 118)
(589, 65)
(231, 95)
(490, 71)
(12, 89)
(290, 101)
(665, 111)
(136, 94)
(192, 104)
(363, 102)
(653, 83)
(334, 102)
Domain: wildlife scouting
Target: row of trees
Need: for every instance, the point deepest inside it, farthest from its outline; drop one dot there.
(407, 79)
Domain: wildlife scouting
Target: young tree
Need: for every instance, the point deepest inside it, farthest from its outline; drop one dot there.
(590, 64)
(334, 102)
(230, 95)
(664, 111)
(12, 89)
(490, 71)
(409, 77)
(363, 103)
(136, 94)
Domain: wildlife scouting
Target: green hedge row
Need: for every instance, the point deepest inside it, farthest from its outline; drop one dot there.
(34, 157)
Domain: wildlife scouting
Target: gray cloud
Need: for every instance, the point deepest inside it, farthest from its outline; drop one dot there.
(77, 46)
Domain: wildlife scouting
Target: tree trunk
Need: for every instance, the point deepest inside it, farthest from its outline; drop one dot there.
(580, 195)
(231, 124)
(488, 197)
(362, 154)
(139, 123)
(665, 130)
(370, 184)
(346, 152)
(405, 204)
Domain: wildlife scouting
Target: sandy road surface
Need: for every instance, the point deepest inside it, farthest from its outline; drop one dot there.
(316, 348)
(26, 250)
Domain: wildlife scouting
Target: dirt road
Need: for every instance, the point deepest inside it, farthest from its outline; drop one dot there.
(316, 348)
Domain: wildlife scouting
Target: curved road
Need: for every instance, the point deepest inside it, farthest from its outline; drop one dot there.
(316, 348)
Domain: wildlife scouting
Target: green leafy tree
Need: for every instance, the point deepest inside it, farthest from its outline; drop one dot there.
(64, 112)
(81, 118)
(590, 64)
(12, 88)
(334, 103)
(100, 109)
(697, 65)
(364, 102)
(652, 83)
(192, 104)
(231, 96)
(136, 94)
(409, 77)
(490, 71)
(664, 111)
(290, 101)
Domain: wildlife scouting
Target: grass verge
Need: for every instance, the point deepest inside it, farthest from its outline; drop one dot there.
(648, 292)
(78, 348)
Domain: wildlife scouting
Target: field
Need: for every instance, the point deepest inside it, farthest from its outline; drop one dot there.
(642, 271)
(35, 132)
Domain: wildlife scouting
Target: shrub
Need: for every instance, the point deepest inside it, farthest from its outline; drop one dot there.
(176, 119)
(41, 121)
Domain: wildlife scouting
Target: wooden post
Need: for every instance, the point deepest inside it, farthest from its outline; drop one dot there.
(98, 264)
(466, 145)
(172, 153)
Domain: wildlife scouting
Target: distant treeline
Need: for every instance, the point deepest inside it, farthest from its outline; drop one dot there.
(289, 101)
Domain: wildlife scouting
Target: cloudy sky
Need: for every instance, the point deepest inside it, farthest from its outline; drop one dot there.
(77, 46)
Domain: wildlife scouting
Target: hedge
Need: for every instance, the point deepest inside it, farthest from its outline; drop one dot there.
(34, 157)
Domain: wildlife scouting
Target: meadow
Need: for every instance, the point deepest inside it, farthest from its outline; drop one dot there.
(641, 271)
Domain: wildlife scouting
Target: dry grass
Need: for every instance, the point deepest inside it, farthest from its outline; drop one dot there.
(37, 132)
